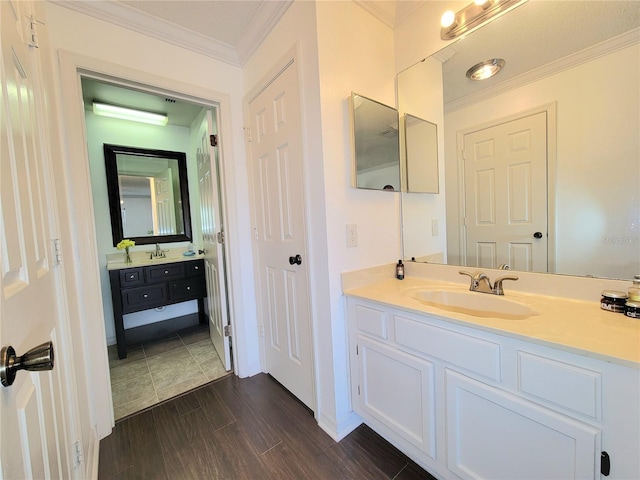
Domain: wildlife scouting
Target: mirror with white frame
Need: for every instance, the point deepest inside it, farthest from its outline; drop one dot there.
(541, 163)
(375, 144)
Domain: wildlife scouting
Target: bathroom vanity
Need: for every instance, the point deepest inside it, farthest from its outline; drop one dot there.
(537, 387)
(142, 287)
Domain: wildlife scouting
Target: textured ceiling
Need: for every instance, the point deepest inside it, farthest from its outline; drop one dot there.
(225, 21)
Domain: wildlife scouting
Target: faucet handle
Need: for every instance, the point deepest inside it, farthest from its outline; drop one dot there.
(462, 272)
(472, 276)
(497, 285)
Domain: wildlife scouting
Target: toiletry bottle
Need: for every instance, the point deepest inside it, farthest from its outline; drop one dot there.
(634, 290)
(400, 270)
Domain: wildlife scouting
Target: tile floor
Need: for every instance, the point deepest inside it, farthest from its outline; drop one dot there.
(156, 371)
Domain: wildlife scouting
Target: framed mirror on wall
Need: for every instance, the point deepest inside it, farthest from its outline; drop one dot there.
(375, 144)
(148, 195)
(578, 92)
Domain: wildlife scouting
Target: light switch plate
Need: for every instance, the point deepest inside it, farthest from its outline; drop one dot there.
(352, 235)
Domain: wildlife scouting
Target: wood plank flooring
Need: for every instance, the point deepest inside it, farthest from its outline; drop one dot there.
(248, 428)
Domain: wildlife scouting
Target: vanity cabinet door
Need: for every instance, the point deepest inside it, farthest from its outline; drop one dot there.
(396, 393)
(493, 434)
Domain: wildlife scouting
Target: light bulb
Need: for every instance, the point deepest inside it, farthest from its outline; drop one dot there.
(448, 19)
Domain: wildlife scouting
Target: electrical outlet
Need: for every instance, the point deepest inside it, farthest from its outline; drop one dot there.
(434, 227)
(352, 235)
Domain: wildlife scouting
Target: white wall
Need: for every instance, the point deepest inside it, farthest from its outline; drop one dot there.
(597, 178)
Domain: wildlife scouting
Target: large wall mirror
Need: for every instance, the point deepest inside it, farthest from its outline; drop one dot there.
(148, 194)
(375, 143)
(541, 163)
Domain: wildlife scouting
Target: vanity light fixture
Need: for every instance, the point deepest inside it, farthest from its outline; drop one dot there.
(472, 16)
(129, 114)
(486, 69)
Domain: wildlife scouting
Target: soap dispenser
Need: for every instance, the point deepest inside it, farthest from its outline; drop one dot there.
(400, 270)
(634, 289)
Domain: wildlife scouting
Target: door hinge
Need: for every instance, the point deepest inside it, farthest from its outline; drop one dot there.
(213, 139)
(33, 31)
(358, 389)
(220, 236)
(247, 133)
(57, 251)
(227, 330)
(77, 453)
(357, 351)
(255, 234)
(262, 330)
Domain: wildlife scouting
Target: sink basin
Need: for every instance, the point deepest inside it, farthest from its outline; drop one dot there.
(474, 303)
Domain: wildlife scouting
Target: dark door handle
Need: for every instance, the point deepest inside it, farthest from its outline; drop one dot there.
(297, 260)
(537, 235)
(37, 359)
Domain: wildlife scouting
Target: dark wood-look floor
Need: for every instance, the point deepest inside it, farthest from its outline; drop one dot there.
(248, 428)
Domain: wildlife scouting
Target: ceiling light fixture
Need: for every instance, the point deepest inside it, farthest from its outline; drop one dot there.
(486, 69)
(129, 114)
(472, 16)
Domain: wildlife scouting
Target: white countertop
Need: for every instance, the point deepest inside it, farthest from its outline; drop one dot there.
(141, 259)
(576, 326)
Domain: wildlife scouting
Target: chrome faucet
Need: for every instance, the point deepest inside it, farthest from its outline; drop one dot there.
(158, 253)
(481, 283)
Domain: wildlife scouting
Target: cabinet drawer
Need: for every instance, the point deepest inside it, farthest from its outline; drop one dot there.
(474, 354)
(131, 277)
(140, 298)
(194, 268)
(163, 273)
(187, 289)
(371, 321)
(559, 383)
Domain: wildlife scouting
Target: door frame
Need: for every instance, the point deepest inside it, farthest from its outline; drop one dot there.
(550, 110)
(72, 67)
(290, 57)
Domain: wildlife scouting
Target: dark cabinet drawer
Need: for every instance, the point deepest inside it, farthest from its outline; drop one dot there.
(131, 277)
(141, 298)
(164, 273)
(187, 289)
(194, 268)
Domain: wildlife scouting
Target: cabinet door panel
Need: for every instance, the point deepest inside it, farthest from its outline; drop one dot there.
(397, 390)
(494, 435)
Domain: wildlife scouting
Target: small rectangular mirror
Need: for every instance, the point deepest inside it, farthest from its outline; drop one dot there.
(421, 147)
(375, 142)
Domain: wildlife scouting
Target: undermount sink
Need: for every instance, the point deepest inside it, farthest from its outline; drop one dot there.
(474, 303)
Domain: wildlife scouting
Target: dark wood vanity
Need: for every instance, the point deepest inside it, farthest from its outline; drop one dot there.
(144, 287)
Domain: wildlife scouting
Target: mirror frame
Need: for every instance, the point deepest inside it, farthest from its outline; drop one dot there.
(113, 190)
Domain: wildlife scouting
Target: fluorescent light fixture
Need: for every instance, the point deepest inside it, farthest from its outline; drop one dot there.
(472, 16)
(129, 114)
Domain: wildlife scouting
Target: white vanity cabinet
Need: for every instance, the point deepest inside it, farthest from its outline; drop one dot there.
(467, 403)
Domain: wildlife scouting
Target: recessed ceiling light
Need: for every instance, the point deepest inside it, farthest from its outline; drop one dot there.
(486, 69)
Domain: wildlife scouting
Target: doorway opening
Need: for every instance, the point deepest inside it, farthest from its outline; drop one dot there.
(167, 345)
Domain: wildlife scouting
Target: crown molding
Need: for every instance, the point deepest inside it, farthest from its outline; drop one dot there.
(383, 11)
(263, 22)
(132, 19)
(570, 61)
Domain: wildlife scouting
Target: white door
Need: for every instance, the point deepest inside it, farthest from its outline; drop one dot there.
(283, 285)
(165, 210)
(34, 411)
(212, 231)
(505, 172)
